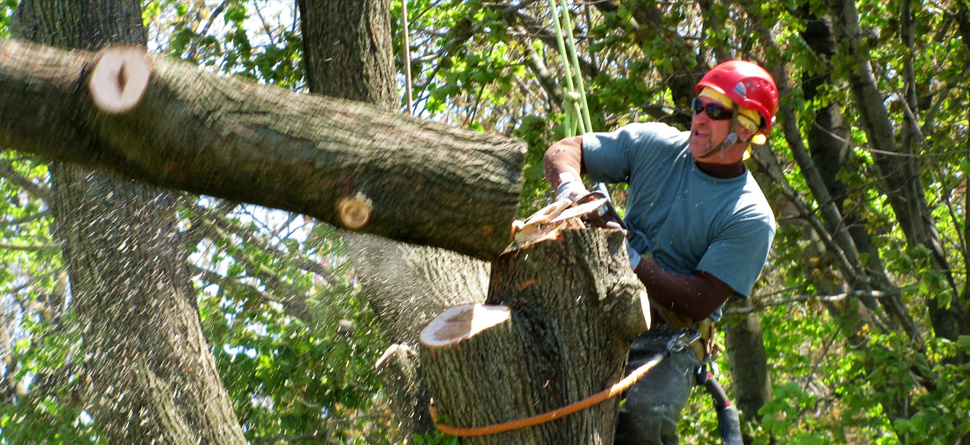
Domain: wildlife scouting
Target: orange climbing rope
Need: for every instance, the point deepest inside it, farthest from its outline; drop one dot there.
(538, 419)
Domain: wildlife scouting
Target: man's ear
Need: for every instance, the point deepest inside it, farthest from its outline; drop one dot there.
(743, 133)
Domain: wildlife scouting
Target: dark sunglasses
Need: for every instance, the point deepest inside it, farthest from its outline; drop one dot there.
(714, 111)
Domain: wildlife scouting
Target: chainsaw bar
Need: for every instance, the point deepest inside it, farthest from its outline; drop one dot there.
(580, 210)
(554, 217)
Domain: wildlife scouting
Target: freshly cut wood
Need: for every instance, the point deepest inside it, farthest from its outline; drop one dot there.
(461, 322)
(120, 78)
(574, 308)
(420, 182)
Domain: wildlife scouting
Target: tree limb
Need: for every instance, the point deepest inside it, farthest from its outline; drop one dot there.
(39, 191)
(346, 163)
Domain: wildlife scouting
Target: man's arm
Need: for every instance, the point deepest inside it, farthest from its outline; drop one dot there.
(563, 161)
(696, 296)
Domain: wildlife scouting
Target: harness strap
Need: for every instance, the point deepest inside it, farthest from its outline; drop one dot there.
(706, 346)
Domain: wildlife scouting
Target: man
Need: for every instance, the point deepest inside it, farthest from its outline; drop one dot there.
(702, 225)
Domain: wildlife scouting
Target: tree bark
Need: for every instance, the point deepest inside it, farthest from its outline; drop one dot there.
(345, 163)
(348, 47)
(745, 346)
(575, 308)
(407, 286)
(149, 375)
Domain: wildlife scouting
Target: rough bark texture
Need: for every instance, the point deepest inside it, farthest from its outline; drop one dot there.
(424, 182)
(407, 286)
(348, 48)
(576, 309)
(149, 375)
(347, 45)
(749, 364)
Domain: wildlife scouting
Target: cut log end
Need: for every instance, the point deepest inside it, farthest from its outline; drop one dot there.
(645, 310)
(119, 79)
(461, 322)
(354, 211)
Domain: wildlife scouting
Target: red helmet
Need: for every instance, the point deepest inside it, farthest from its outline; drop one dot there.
(748, 85)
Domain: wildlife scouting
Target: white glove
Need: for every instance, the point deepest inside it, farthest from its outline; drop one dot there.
(571, 190)
(635, 256)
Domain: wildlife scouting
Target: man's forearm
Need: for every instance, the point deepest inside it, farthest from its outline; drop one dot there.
(563, 161)
(696, 296)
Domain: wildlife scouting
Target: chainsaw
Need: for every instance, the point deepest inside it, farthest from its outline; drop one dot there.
(592, 210)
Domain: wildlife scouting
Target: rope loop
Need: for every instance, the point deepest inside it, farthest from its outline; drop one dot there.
(539, 419)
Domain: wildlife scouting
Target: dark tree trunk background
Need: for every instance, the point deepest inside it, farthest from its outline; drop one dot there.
(348, 49)
(148, 375)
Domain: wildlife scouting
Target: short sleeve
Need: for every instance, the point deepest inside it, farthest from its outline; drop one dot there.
(606, 155)
(738, 254)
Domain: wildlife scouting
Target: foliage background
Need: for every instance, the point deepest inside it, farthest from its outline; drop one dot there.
(856, 353)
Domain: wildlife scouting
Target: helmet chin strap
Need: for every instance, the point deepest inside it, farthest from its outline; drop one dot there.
(731, 139)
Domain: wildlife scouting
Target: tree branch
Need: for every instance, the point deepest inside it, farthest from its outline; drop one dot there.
(292, 304)
(345, 163)
(759, 305)
(39, 191)
(26, 219)
(216, 218)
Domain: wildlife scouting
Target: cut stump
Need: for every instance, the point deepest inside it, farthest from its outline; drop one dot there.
(559, 320)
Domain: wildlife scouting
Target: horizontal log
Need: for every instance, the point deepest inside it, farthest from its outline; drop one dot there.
(349, 164)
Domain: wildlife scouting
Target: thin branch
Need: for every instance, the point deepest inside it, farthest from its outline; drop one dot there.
(26, 219)
(205, 30)
(218, 219)
(7, 171)
(291, 306)
(818, 360)
(30, 247)
(808, 297)
(266, 27)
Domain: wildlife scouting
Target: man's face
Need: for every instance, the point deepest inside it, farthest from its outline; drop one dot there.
(708, 132)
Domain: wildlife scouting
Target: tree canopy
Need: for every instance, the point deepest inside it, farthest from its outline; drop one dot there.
(863, 305)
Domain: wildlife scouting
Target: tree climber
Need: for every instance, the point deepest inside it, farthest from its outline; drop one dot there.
(700, 227)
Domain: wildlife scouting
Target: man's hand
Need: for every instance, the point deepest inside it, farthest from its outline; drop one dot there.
(571, 190)
(636, 255)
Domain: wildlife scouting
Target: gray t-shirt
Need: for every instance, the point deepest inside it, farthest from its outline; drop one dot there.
(691, 221)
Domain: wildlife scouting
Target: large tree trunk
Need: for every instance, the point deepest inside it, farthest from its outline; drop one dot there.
(574, 308)
(348, 49)
(348, 164)
(749, 364)
(149, 375)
